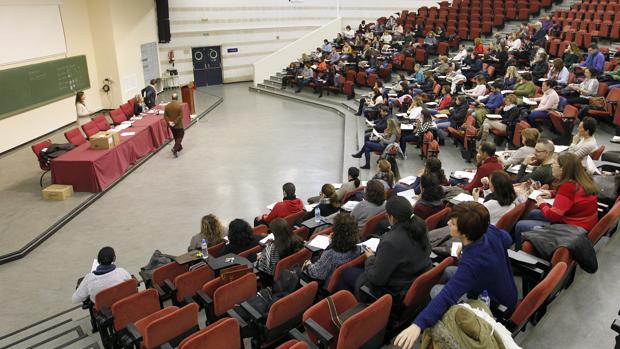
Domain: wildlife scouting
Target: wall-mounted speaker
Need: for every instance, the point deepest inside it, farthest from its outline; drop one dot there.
(162, 9)
(163, 23)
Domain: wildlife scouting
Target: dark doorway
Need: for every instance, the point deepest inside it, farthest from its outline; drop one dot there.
(207, 63)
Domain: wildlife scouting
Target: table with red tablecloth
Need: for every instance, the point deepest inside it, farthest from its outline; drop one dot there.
(160, 132)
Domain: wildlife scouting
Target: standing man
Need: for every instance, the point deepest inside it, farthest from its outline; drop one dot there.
(174, 117)
(149, 94)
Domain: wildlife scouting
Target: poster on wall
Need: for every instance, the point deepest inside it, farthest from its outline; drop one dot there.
(150, 62)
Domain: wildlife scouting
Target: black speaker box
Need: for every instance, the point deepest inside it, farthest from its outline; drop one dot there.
(163, 31)
(162, 9)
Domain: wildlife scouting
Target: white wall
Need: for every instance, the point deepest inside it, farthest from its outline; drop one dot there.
(257, 28)
(266, 66)
(29, 125)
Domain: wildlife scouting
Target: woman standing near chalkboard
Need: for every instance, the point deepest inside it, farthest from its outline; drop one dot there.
(80, 106)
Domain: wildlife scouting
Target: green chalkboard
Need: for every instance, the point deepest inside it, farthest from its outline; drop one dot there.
(34, 85)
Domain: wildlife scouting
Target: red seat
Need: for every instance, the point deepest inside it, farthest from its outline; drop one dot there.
(254, 250)
(134, 307)
(296, 259)
(90, 129)
(335, 277)
(127, 110)
(189, 282)
(293, 344)
(508, 221)
(216, 249)
(75, 137)
(596, 154)
(350, 75)
(557, 120)
(371, 225)
(348, 195)
(294, 218)
(408, 64)
(420, 55)
(101, 122)
(104, 300)
(166, 272)
(365, 329)
(223, 334)
(348, 89)
(605, 224)
(432, 221)
(613, 97)
(443, 48)
(117, 116)
(516, 138)
(36, 149)
(225, 296)
(371, 79)
(360, 79)
(172, 326)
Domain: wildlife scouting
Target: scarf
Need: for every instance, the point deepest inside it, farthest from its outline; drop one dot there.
(104, 269)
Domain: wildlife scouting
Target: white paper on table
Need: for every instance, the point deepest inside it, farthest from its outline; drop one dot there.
(406, 127)
(125, 134)
(481, 97)
(377, 134)
(320, 242)
(371, 244)
(542, 79)
(441, 116)
(615, 139)
(507, 91)
(591, 166)
(350, 205)
(441, 76)
(409, 180)
(363, 183)
(464, 175)
(535, 194)
(560, 148)
(392, 94)
(529, 101)
(550, 201)
(494, 116)
(431, 103)
(409, 195)
(267, 238)
(455, 248)
(310, 207)
(514, 169)
(462, 197)
(402, 115)
(522, 71)
(337, 185)
(270, 207)
(95, 265)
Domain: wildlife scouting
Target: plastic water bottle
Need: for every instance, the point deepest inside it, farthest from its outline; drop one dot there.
(204, 248)
(317, 214)
(484, 297)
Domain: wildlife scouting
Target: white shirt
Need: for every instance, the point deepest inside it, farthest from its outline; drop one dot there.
(496, 211)
(81, 110)
(561, 78)
(92, 284)
(460, 55)
(386, 37)
(349, 34)
(415, 113)
(479, 90)
(515, 45)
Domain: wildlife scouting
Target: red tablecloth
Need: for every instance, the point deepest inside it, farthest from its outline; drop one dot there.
(160, 132)
(89, 170)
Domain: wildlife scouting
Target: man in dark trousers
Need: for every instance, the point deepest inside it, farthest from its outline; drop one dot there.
(149, 94)
(174, 117)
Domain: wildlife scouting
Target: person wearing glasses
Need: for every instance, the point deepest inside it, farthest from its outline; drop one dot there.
(542, 159)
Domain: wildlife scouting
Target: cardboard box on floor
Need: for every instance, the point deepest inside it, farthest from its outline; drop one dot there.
(57, 192)
(104, 140)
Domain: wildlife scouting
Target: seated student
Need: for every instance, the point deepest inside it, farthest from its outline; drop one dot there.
(595, 61)
(349, 33)
(571, 55)
(290, 204)
(291, 74)
(418, 74)
(510, 115)
(542, 159)
(380, 123)
(540, 66)
(372, 103)
(372, 205)
(473, 65)
(284, 244)
(584, 142)
(138, 105)
(431, 197)
(548, 102)
(587, 88)
(442, 66)
(353, 182)
(514, 42)
(422, 125)
(502, 197)
(510, 79)
(415, 109)
(488, 104)
(339, 41)
(487, 163)
(426, 86)
(304, 78)
(575, 199)
(479, 90)
(385, 174)
(211, 230)
(445, 99)
(328, 202)
(483, 265)
(558, 72)
(529, 138)
(402, 254)
(104, 276)
(478, 46)
(240, 237)
(342, 249)
(458, 113)
(525, 87)
(430, 43)
(391, 134)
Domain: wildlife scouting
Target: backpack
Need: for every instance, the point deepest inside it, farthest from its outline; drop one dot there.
(53, 151)
(286, 284)
(157, 259)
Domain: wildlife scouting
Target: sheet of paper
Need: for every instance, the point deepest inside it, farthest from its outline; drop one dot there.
(267, 238)
(310, 207)
(464, 175)
(95, 265)
(615, 139)
(481, 97)
(270, 207)
(337, 185)
(529, 101)
(377, 134)
(494, 116)
(504, 92)
(126, 134)
(406, 127)
(408, 180)
(431, 103)
(401, 115)
(320, 241)
(514, 169)
(350, 205)
(455, 248)
(363, 183)
(560, 148)
(441, 116)
(409, 195)
(371, 244)
(462, 197)
(535, 194)
(591, 166)
(550, 201)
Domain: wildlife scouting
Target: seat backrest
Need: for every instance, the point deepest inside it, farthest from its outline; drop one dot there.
(348, 195)
(215, 250)
(168, 271)
(117, 116)
(605, 223)
(535, 298)
(335, 277)
(508, 221)
(90, 129)
(432, 221)
(371, 225)
(134, 307)
(127, 110)
(419, 291)
(291, 306)
(222, 334)
(602, 89)
(101, 122)
(234, 292)
(36, 149)
(294, 218)
(260, 230)
(296, 259)
(343, 300)
(596, 154)
(170, 327)
(75, 137)
(366, 326)
(111, 295)
(189, 282)
(254, 250)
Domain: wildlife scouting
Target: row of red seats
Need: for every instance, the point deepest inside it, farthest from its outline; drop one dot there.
(100, 123)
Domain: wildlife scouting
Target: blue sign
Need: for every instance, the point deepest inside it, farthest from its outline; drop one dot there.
(232, 50)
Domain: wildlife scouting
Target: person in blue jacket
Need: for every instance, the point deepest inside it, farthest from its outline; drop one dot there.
(483, 265)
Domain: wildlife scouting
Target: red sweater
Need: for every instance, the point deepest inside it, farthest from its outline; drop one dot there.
(444, 102)
(285, 208)
(479, 49)
(484, 170)
(572, 206)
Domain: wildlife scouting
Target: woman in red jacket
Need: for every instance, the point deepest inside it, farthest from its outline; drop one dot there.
(575, 199)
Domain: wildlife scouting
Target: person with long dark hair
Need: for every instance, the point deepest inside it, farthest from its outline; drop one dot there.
(284, 244)
(432, 166)
(80, 105)
(328, 202)
(502, 197)
(431, 197)
(353, 182)
(240, 237)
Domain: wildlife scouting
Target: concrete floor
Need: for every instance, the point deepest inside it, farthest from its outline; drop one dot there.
(233, 165)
